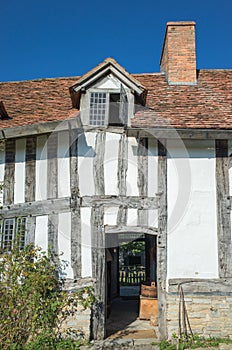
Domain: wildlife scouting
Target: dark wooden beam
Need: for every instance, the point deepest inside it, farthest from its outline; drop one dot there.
(99, 272)
(9, 176)
(135, 202)
(162, 239)
(142, 176)
(53, 221)
(52, 168)
(98, 163)
(75, 204)
(223, 209)
(43, 207)
(30, 169)
(219, 286)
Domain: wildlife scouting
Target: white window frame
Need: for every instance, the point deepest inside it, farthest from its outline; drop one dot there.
(7, 237)
(106, 119)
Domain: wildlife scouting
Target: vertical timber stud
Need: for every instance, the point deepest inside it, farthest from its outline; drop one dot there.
(75, 207)
(122, 171)
(30, 229)
(9, 177)
(162, 238)
(223, 209)
(98, 163)
(142, 177)
(53, 233)
(30, 169)
(99, 272)
(52, 166)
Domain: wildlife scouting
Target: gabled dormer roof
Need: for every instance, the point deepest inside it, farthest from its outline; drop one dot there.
(108, 66)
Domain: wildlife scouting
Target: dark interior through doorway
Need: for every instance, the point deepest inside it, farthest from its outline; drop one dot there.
(130, 262)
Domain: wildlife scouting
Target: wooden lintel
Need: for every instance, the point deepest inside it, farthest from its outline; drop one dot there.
(125, 202)
(37, 208)
(192, 134)
(132, 229)
(205, 286)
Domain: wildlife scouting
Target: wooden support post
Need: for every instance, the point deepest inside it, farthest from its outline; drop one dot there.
(142, 176)
(99, 272)
(122, 164)
(122, 171)
(9, 178)
(223, 209)
(98, 163)
(30, 229)
(30, 169)
(53, 220)
(52, 166)
(162, 238)
(75, 207)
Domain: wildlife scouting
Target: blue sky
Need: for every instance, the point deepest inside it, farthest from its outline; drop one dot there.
(54, 38)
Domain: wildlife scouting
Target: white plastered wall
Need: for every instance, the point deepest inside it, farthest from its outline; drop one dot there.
(2, 171)
(111, 163)
(41, 232)
(230, 164)
(64, 243)
(86, 251)
(132, 171)
(192, 224)
(230, 175)
(19, 186)
(86, 153)
(63, 165)
(152, 179)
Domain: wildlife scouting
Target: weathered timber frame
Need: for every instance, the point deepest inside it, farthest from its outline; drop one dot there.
(162, 239)
(223, 209)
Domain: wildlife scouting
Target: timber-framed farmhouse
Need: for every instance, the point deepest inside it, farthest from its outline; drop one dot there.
(108, 158)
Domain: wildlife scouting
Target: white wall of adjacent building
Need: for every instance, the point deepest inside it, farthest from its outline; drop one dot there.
(192, 217)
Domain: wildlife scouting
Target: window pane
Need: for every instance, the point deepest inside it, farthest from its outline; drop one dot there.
(21, 230)
(8, 234)
(97, 114)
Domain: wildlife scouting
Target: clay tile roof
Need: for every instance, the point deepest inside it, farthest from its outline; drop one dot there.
(205, 105)
(36, 101)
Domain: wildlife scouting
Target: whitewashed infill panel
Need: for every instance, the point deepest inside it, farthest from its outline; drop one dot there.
(111, 163)
(41, 232)
(2, 170)
(192, 226)
(153, 218)
(86, 251)
(152, 167)
(230, 164)
(19, 188)
(110, 215)
(132, 217)
(63, 165)
(64, 243)
(86, 154)
(132, 171)
(41, 168)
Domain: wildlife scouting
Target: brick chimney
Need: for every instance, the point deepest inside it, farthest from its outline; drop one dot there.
(178, 58)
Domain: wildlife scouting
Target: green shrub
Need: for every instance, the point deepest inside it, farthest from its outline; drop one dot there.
(31, 300)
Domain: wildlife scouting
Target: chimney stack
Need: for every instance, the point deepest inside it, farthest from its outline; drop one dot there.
(178, 58)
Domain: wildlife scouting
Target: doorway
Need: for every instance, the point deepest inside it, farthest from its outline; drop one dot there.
(130, 263)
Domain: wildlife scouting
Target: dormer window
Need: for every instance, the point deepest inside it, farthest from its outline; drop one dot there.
(107, 95)
(108, 108)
